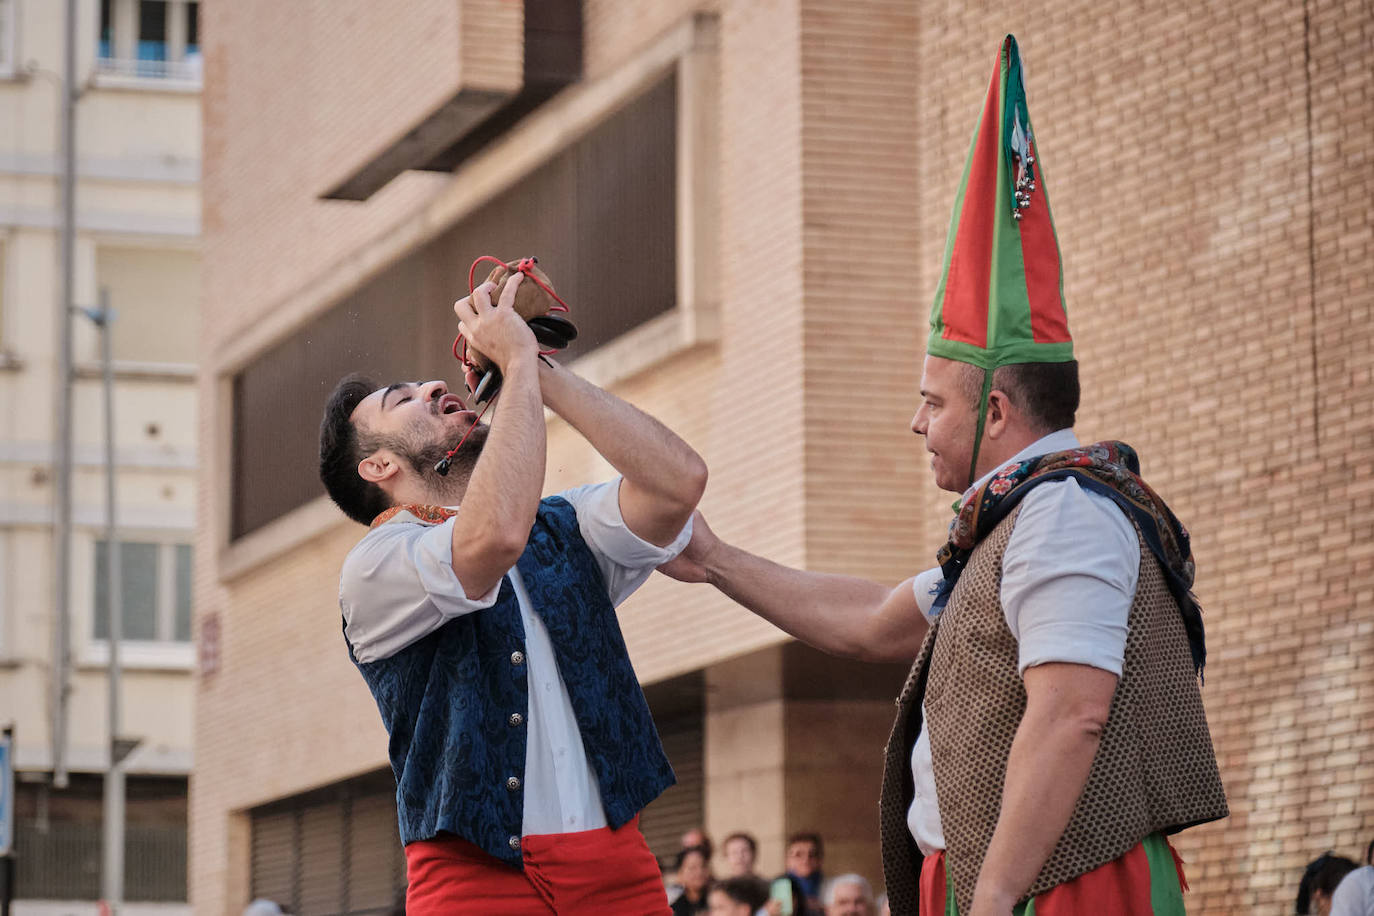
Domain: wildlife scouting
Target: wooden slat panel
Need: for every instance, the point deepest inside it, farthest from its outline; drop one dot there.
(682, 807)
(373, 876)
(321, 854)
(601, 218)
(274, 856)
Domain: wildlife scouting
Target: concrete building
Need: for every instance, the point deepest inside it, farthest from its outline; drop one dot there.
(137, 236)
(746, 205)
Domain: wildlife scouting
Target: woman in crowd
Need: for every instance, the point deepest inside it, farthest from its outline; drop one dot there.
(693, 874)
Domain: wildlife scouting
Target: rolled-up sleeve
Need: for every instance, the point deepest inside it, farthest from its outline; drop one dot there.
(398, 585)
(1069, 576)
(625, 559)
(925, 585)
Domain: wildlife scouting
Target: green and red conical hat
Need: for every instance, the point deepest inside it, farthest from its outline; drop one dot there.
(1001, 294)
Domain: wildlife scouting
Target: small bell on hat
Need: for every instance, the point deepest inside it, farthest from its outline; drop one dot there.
(1001, 295)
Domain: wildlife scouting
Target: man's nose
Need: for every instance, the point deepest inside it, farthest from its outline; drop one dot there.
(918, 423)
(432, 391)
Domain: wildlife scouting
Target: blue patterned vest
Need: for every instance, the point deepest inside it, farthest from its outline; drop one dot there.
(455, 703)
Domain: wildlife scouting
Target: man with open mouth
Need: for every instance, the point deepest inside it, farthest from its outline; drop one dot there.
(483, 620)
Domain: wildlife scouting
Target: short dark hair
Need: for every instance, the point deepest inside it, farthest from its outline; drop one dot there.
(753, 891)
(342, 447)
(741, 835)
(1322, 874)
(1047, 393)
(1331, 873)
(807, 836)
(686, 851)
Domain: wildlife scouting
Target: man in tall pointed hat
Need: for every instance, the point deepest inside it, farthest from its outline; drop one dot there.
(1051, 733)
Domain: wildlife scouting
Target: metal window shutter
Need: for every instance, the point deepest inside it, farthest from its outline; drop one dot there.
(373, 843)
(274, 857)
(682, 807)
(322, 859)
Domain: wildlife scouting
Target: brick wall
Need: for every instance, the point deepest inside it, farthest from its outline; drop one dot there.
(1209, 169)
(1216, 269)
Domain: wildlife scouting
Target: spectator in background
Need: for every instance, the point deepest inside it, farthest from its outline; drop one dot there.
(804, 856)
(693, 876)
(263, 907)
(740, 851)
(698, 837)
(789, 889)
(695, 838)
(847, 895)
(1320, 879)
(738, 896)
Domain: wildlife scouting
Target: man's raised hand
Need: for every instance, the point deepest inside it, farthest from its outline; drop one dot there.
(495, 329)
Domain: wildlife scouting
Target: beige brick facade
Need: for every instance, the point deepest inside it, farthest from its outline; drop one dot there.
(1210, 171)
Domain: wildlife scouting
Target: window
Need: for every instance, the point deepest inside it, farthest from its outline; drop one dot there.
(601, 215)
(155, 588)
(58, 831)
(152, 30)
(331, 851)
(150, 39)
(9, 49)
(155, 295)
(679, 709)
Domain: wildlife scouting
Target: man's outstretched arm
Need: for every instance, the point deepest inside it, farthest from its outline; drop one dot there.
(663, 477)
(841, 615)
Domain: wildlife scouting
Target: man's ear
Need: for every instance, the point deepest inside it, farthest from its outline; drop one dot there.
(378, 467)
(999, 414)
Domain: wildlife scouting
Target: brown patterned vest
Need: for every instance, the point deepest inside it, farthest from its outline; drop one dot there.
(1155, 770)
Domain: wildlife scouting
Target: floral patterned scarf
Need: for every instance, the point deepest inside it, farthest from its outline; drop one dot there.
(1109, 468)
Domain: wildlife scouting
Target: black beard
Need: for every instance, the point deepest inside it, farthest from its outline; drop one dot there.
(423, 460)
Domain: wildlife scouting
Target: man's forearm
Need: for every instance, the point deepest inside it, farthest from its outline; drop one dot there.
(663, 477)
(502, 496)
(638, 446)
(840, 615)
(1047, 769)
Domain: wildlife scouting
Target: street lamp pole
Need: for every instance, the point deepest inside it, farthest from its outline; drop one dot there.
(112, 874)
(61, 661)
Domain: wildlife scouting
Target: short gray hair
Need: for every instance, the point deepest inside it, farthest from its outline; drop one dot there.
(828, 889)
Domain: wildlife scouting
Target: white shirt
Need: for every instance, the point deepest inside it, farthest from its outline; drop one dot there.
(1068, 580)
(1354, 896)
(398, 585)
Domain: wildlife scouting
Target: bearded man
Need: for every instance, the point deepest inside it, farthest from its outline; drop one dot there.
(483, 620)
(1051, 734)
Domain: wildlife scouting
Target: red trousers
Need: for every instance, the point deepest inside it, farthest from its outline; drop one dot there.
(1147, 881)
(569, 874)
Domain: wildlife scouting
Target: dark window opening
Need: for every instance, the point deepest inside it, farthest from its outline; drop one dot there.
(679, 709)
(152, 30)
(601, 217)
(106, 28)
(192, 28)
(332, 851)
(58, 835)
